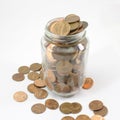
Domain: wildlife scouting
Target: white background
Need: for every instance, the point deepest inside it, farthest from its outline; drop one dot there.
(22, 25)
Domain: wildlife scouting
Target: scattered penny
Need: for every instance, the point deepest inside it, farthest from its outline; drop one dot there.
(20, 96)
(51, 104)
(76, 107)
(33, 76)
(66, 108)
(88, 83)
(18, 77)
(40, 93)
(96, 105)
(102, 111)
(83, 117)
(39, 83)
(38, 108)
(97, 117)
(67, 118)
(24, 69)
(35, 67)
(32, 88)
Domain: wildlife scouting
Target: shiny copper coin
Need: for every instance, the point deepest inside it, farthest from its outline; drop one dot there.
(24, 69)
(96, 105)
(88, 83)
(50, 75)
(76, 107)
(102, 111)
(33, 76)
(66, 108)
(40, 83)
(67, 118)
(51, 104)
(32, 88)
(38, 108)
(35, 67)
(61, 28)
(40, 94)
(18, 77)
(20, 96)
(83, 117)
(71, 18)
(97, 117)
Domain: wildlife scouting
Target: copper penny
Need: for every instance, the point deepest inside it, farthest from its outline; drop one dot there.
(20, 96)
(38, 108)
(83, 117)
(35, 67)
(59, 87)
(51, 104)
(24, 69)
(71, 18)
(50, 75)
(66, 89)
(88, 83)
(18, 77)
(61, 28)
(76, 107)
(97, 117)
(96, 105)
(40, 94)
(32, 88)
(67, 118)
(40, 83)
(33, 76)
(74, 26)
(102, 111)
(49, 84)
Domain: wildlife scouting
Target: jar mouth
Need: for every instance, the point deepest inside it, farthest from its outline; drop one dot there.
(59, 38)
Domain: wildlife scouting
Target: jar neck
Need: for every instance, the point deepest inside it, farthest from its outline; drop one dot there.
(68, 40)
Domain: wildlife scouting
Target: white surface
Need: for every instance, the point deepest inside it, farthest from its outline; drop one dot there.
(22, 25)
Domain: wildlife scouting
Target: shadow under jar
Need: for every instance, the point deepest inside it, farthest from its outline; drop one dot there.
(63, 61)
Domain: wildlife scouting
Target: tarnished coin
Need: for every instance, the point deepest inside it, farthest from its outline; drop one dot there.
(102, 111)
(59, 87)
(60, 28)
(97, 117)
(20, 96)
(38, 108)
(35, 67)
(50, 75)
(88, 83)
(40, 83)
(66, 89)
(76, 107)
(96, 105)
(71, 18)
(32, 88)
(83, 117)
(64, 67)
(66, 108)
(40, 94)
(74, 26)
(51, 104)
(49, 84)
(24, 69)
(33, 76)
(18, 77)
(67, 118)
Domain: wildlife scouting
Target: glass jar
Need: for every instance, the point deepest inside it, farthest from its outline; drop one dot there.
(63, 61)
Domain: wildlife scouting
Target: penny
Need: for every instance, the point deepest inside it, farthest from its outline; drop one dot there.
(33, 76)
(40, 94)
(32, 88)
(35, 67)
(102, 111)
(74, 26)
(66, 89)
(38, 108)
(88, 83)
(66, 108)
(97, 117)
(59, 87)
(61, 28)
(71, 18)
(18, 77)
(76, 107)
(24, 69)
(67, 118)
(50, 75)
(20, 96)
(83, 117)
(64, 67)
(96, 105)
(40, 83)
(49, 84)
(51, 104)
